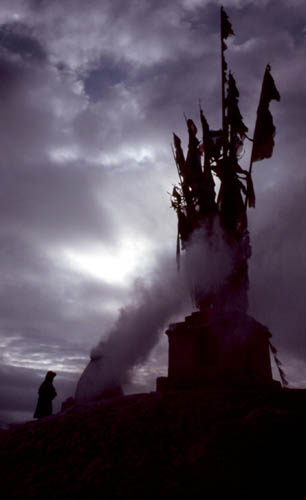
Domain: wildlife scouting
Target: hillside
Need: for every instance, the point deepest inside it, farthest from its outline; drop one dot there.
(159, 445)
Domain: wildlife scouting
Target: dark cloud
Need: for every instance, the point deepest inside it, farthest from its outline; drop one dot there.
(17, 38)
(106, 74)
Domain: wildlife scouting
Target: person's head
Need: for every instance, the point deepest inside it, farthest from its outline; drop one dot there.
(50, 376)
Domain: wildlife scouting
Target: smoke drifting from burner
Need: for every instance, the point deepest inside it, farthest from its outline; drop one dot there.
(156, 301)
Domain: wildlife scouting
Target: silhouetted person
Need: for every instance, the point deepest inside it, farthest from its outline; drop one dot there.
(46, 394)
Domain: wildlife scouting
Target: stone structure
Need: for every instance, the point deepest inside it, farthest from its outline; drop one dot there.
(221, 344)
(211, 349)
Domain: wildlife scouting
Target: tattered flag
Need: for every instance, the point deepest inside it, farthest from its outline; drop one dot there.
(212, 140)
(250, 193)
(192, 129)
(278, 364)
(193, 159)
(226, 28)
(273, 349)
(207, 144)
(205, 126)
(179, 155)
(234, 115)
(264, 129)
(282, 376)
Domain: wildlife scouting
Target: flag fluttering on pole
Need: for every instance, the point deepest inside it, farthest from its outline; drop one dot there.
(234, 116)
(193, 160)
(250, 194)
(226, 28)
(238, 129)
(179, 155)
(264, 129)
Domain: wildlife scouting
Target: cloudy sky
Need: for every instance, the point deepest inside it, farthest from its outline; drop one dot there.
(90, 93)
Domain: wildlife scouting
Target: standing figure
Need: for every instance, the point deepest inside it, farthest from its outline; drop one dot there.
(46, 394)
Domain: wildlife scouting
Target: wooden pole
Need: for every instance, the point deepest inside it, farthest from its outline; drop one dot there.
(224, 122)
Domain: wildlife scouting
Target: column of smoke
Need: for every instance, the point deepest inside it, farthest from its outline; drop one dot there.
(156, 301)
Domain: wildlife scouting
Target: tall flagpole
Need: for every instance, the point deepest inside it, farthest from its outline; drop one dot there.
(223, 69)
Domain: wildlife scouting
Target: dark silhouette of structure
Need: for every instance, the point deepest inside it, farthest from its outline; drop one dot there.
(221, 343)
(46, 394)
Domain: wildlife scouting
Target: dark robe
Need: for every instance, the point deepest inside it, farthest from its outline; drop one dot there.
(46, 394)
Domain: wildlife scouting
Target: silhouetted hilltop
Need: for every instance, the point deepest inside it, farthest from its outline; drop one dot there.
(159, 445)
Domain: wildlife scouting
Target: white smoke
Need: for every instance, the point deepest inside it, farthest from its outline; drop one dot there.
(208, 260)
(156, 300)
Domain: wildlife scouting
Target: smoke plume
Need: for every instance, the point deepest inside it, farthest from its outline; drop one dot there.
(157, 300)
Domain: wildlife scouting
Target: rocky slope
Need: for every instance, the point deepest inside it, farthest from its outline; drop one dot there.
(159, 445)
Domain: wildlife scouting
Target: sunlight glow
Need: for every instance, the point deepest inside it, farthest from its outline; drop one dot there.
(114, 267)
